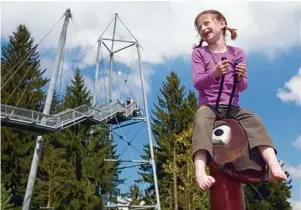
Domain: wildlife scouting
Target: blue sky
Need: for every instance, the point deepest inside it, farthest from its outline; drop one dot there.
(273, 58)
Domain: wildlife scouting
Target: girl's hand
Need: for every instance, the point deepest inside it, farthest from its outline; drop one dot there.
(241, 71)
(221, 69)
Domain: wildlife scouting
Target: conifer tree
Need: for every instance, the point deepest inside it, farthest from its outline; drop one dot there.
(55, 178)
(22, 86)
(86, 148)
(77, 93)
(21, 74)
(135, 195)
(6, 198)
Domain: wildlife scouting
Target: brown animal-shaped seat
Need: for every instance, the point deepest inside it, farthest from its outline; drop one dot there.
(232, 155)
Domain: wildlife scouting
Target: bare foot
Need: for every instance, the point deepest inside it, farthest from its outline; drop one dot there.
(276, 173)
(205, 182)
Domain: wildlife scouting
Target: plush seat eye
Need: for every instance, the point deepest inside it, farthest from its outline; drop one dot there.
(221, 134)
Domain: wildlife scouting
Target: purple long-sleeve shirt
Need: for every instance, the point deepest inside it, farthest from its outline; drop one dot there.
(203, 64)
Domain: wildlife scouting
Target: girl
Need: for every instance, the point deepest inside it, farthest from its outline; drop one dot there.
(207, 69)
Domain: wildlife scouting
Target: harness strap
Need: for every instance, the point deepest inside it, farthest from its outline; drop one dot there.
(219, 93)
(232, 92)
(233, 89)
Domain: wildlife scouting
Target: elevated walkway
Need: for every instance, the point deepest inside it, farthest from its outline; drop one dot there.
(38, 122)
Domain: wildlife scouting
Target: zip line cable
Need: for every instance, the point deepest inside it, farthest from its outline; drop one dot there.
(26, 57)
(17, 86)
(23, 95)
(29, 100)
(61, 65)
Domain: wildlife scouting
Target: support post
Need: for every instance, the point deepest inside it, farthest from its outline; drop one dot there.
(110, 156)
(97, 69)
(110, 83)
(47, 106)
(111, 87)
(226, 194)
(111, 61)
(148, 130)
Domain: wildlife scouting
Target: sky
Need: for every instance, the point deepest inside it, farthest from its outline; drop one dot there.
(268, 32)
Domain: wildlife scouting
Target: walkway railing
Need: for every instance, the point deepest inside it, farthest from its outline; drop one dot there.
(20, 116)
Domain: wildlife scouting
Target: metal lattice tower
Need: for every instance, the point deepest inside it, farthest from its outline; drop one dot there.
(112, 113)
(146, 117)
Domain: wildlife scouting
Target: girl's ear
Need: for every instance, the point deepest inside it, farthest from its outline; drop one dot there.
(223, 24)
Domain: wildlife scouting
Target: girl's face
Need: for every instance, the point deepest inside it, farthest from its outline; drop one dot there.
(209, 28)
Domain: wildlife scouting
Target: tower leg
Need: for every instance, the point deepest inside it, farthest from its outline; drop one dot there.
(226, 194)
(152, 160)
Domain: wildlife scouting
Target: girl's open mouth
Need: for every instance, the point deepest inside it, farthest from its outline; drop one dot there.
(207, 33)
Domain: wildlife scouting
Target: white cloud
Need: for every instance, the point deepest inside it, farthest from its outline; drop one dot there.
(296, 205)
(295, 172)
(292, 92)
(164, 29)
(297, 143)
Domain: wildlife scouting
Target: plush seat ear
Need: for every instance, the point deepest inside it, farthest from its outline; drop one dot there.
(232, 155)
